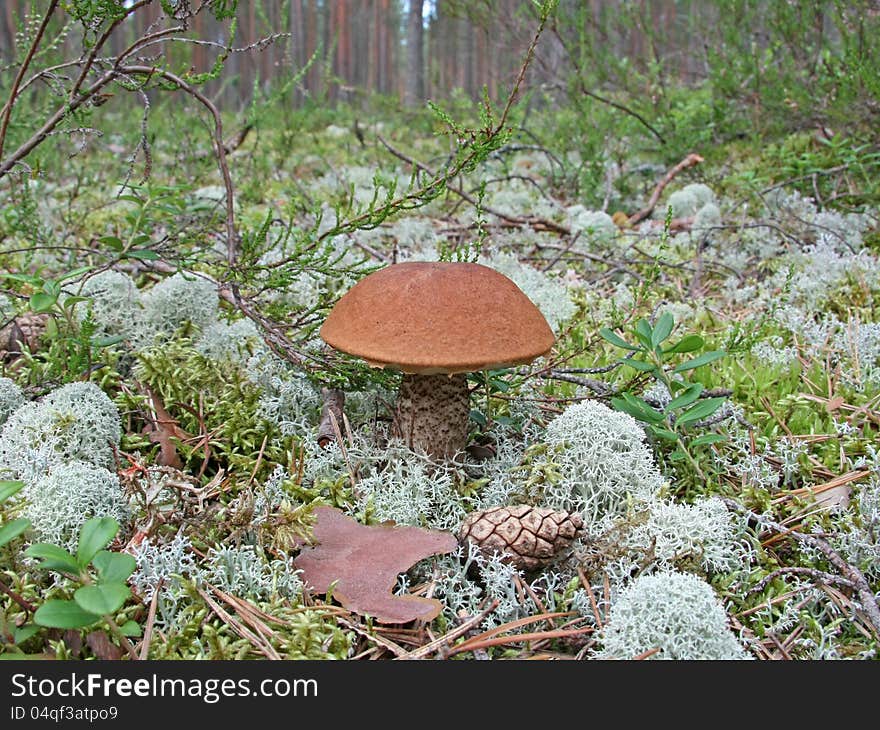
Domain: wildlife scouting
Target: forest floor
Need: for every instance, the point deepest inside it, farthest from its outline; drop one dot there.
(710, 408)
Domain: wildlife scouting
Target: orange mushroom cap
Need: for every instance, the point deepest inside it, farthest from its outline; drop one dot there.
(438, 317)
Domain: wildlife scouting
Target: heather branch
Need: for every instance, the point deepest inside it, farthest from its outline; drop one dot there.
(219, 147)
(10, 102)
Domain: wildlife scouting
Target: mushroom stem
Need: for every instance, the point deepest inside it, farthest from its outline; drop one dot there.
(432, 413)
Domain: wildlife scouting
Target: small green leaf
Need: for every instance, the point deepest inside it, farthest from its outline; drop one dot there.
(13, 529)
(662, 329)
(23, 633)
(143, 254)
(616, 340)
(94, 535)
(644, 367)
(703, 359)
(53, 557)
(42, 302)
(114, 566)
(70, 302)
(677, 455)
(107, 341)
(52, 288)
(111, 242)
(637, 408)
(686, 398)
(644, 333)
(7, 489)
(664, 433)
(74, 273)
(24, 278)
(708, 438)
(102, 598)
(58, 614)
(701, 410)
(130, 628)
(478, 417)
(686, 344)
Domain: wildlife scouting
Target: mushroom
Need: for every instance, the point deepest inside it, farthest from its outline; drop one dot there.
(435, 322)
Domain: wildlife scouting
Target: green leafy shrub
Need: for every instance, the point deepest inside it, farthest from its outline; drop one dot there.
(96, 577)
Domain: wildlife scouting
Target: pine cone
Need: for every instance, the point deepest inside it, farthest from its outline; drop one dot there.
(531, 537)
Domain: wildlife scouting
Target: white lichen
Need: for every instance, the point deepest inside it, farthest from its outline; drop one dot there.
(234, 342)
(676, 615)
(11, 397)
(166, 567)
(603, 461)
(76, 422)
(242, 572)
(704, 533)
(114, 303)
(60, 502)
(287, 399)
(177, 300)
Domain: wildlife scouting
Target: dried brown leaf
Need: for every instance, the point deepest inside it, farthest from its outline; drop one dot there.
(102, 647)
(165, 430)
(360, 563)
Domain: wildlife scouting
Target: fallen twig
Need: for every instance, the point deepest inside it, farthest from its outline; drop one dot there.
(151, 622)
(689, 161)
(849, 572)
(444, 641)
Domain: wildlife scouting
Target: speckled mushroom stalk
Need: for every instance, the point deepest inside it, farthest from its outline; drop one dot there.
(432, 413)
(435, 322)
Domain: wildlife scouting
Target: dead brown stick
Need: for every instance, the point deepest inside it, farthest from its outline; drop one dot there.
(849, 572)
(517, 638)
(444, 641)
(258, 642)
(689, 161)
(334, 401)
(25, 604)
(6, 112)
(151, 622)
(518, 221)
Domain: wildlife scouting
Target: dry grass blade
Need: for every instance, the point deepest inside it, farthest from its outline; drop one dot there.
(447, 638)
(381, 641)
(473, 645)
(151, 621)
(248, 612)
(511, 625)
(837, 481)
(586, 584)
(258, 642)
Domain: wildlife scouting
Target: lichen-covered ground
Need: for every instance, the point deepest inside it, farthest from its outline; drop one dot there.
(730, 495)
